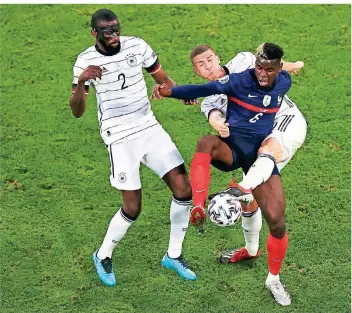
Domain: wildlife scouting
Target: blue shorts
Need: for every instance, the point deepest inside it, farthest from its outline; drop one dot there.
(244, 154)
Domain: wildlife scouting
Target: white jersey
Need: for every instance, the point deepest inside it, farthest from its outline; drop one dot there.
(122, 100)
(241, 62)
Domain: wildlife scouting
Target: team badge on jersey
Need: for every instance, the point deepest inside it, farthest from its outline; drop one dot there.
(266, 100)
(224, 80)
(131, 60)
(279, 99)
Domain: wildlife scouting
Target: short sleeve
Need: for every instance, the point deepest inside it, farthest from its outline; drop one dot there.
(215, 102)
(241, 62)
(148, 55)
(78, 68)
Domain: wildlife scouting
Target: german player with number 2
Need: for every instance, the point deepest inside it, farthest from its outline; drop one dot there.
(131, 134)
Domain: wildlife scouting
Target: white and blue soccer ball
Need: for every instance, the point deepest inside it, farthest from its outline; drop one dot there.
(224, 210)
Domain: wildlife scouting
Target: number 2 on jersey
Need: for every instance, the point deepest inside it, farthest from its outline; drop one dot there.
(123, 78)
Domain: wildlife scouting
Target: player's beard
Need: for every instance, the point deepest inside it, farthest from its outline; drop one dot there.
(109, 49)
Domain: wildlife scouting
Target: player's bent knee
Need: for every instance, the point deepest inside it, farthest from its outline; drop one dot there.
(265, 150)
(206, 143)
(272, 147)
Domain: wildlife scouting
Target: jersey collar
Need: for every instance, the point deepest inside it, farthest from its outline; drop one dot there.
(116, 51)
(226, 70)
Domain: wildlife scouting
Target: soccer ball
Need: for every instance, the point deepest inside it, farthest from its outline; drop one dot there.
(224, 210)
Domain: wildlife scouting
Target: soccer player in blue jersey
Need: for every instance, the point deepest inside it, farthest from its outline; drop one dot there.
(254, 95)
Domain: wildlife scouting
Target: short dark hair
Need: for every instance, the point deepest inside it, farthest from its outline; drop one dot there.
(270, 51)
(199, 50)
(102, 15)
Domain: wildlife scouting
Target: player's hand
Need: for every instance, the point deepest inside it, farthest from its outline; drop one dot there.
(297, 67)
(164, 90)
(91, 72)
(190, 102)
(224, 130)
(155, 93)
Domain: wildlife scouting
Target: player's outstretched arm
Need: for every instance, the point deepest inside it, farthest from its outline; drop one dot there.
(78, 99)
(292, 67)
(161, 77)
(188, 92)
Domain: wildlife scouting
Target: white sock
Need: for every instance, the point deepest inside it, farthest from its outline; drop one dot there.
(259, 172)
(118, 227)
(251, 226)
(272, 278)
(179, 218)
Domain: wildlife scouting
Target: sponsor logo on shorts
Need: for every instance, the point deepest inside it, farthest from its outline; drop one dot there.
(122, 177)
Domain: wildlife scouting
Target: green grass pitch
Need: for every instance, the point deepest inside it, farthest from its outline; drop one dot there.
(56, 199)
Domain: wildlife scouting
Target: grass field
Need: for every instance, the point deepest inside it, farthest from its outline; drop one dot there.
(56, 199)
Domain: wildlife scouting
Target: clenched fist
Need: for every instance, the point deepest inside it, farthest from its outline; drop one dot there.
(91, 72)
(222, 128)
(164, 90)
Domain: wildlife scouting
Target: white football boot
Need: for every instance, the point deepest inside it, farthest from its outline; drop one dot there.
(279, 292)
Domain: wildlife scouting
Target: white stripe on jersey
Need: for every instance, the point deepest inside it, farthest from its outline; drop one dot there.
(122, 99)
(241, 62)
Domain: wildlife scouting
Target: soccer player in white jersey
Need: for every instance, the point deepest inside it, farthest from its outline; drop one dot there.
(131, 133)
(288, 135)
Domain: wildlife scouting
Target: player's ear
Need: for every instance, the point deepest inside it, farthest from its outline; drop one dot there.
(218, 59)
(94, 33)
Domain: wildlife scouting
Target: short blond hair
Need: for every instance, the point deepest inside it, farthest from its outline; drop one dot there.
(199, 50)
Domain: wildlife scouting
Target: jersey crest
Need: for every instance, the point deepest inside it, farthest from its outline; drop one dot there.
(266, 100)
(279, 99)
(131, 60)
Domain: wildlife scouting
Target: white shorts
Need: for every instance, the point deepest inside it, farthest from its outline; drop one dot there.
(290, 129)
(154, 148)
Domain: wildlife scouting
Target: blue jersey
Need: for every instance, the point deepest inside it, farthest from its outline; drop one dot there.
(251, 108)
